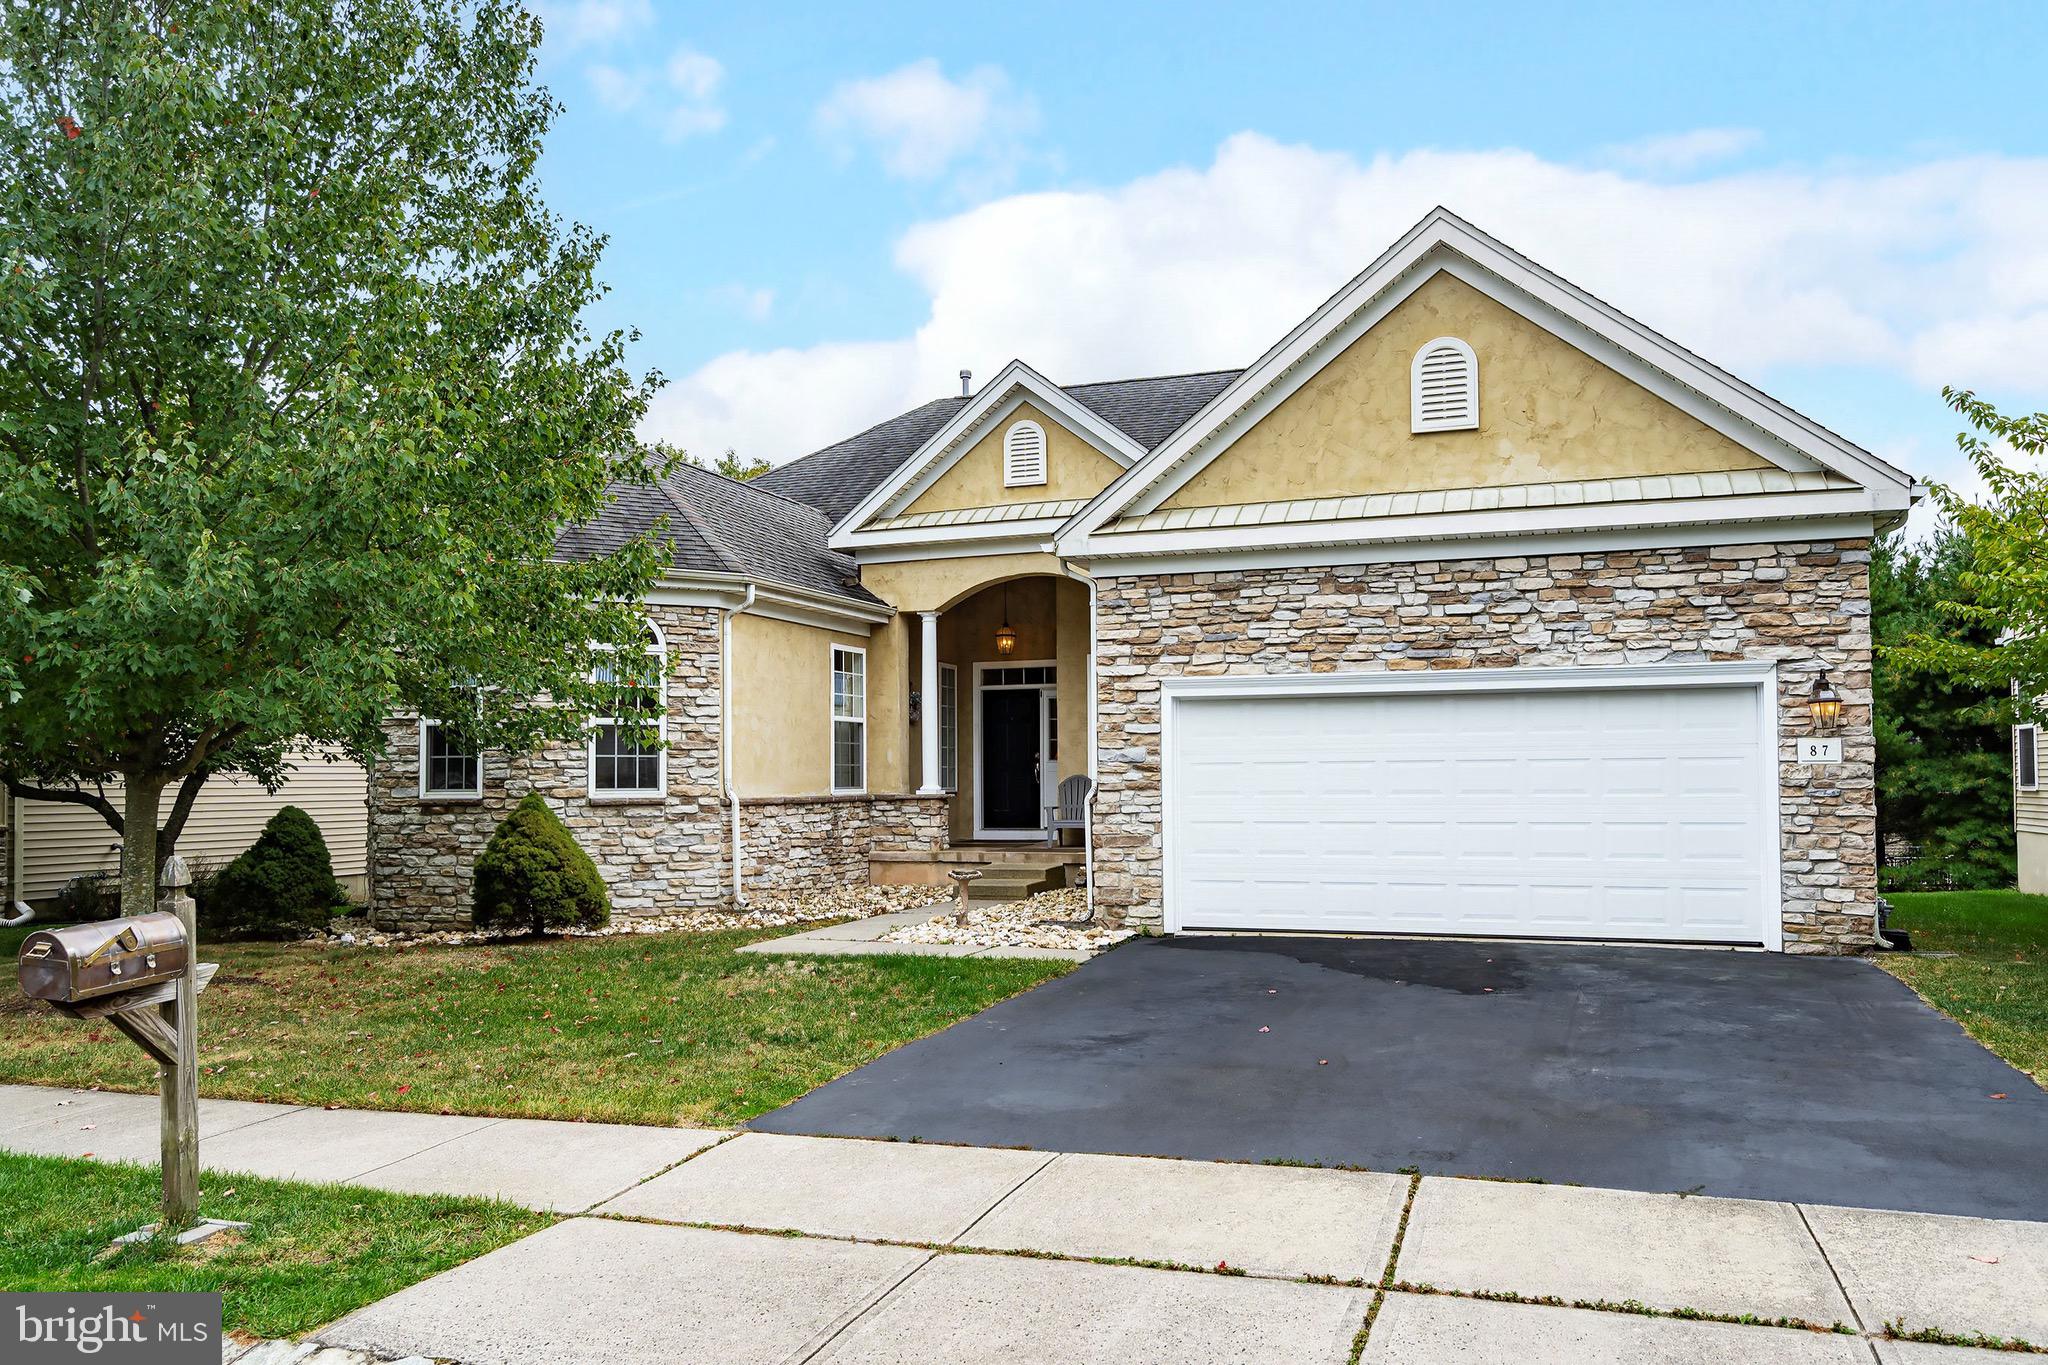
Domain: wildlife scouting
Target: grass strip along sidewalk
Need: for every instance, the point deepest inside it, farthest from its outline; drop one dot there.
(310, 1254)
(661, 1029)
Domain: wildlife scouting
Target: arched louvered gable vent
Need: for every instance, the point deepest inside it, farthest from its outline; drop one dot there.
(1023, 455)
(1444, 387)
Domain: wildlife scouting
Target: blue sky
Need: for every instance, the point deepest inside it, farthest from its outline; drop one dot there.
(818, 214)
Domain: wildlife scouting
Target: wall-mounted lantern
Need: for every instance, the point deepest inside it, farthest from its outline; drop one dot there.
(1826, 706)
(916, 707)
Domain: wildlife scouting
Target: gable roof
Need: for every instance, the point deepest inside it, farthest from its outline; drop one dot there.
(1444, 242)
(722, 526)
(840, 477)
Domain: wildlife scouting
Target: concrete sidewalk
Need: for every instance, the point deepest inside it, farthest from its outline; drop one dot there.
(771, 1248)
(562, 1167)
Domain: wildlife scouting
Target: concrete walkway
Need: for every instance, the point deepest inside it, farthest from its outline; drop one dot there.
(863, 938)
(888, 1251)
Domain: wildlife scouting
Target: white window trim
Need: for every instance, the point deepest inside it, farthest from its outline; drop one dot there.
(1467, 421)
(446, 793)
(628, 795)
(1010, 480)
(2026, 739)
(949, 745)
(833, 720)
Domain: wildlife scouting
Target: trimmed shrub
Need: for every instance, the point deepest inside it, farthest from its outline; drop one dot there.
(282, 886)
(533, 872)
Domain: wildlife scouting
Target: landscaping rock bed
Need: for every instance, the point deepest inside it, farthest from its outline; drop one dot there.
(1030, 923)
(761, 912)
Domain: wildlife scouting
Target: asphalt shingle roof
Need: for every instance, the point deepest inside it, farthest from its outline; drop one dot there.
(720, 525)
(835, 479)
(774, 527)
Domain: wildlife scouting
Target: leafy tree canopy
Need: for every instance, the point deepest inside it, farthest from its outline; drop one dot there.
(294, 393)
(1943, 781)
(1995, 608)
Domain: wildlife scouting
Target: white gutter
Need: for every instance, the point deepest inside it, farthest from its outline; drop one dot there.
(732, 797)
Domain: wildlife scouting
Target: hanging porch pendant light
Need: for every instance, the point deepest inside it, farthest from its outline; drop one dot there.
(1006, 639)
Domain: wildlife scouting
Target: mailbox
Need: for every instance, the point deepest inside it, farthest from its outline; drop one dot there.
(84, 961)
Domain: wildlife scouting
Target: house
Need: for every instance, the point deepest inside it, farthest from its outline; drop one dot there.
(44, 845)
(2029, 809)
(1473, 606)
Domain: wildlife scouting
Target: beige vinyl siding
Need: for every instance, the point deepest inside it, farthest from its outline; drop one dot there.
(2029, 808)
(58, 842)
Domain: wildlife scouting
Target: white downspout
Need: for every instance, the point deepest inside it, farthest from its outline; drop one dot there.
(732, 796)
(1094, 784)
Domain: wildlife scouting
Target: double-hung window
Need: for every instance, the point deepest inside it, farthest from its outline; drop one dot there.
(849, 719)
(450, 767)
(949, 727)
(626, 753)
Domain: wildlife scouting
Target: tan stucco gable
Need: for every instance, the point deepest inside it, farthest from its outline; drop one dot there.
(1548, 412)
(1074, 469)
(935, 584)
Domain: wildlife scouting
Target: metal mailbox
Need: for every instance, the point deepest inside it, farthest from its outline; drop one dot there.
(85, 961)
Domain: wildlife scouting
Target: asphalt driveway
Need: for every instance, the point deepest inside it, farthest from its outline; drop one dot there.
(1750, 1075)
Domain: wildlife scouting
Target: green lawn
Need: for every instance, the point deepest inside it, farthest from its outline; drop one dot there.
(311, 1254)
(666, 1029)
(1996, 985)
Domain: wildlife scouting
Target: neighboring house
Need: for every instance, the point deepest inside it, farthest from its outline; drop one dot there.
(2029, 809)
(1473, 606)
(47, 844)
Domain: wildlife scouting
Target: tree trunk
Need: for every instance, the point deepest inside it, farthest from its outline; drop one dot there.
(141, 794)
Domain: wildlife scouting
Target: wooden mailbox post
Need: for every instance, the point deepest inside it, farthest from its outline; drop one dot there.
(74, 971)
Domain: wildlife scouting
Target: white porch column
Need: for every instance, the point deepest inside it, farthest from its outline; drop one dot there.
(928, 721)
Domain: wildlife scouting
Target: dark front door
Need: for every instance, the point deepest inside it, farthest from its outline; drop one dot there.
(1009, 760)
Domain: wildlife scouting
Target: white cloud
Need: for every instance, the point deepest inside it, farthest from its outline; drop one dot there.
(756, 305)
(921, 122)
(1930, 274)
(595, 23)
(681, 99)
(618, 91)
(1673, 153)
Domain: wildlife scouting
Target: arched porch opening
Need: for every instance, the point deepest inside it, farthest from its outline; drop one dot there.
(1007, 710)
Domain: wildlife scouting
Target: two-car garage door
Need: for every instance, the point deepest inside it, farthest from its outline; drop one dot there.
(1565, 811)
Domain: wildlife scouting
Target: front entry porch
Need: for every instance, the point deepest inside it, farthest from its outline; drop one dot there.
(1007, 668)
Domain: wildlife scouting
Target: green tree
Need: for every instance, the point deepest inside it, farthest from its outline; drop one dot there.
(294, 395)
(1995, 615)
(1943, 777)
(733, 467)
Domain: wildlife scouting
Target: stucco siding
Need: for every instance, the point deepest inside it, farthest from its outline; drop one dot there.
(59, 842)
(782, 707)
(1073, 469)
(1800, 606)
(1548, 412)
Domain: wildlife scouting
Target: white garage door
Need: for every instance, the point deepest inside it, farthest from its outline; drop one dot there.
(1610, 813)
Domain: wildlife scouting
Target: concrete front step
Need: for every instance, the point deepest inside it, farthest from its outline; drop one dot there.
(1016, 881)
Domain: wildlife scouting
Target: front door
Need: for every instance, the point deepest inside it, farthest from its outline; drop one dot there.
(1010, 735)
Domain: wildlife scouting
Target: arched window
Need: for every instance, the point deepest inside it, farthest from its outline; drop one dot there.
(627, 754)
(1444, 387)
(1023, 455)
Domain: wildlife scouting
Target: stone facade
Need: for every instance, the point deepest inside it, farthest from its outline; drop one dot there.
(658, 854)
(1804, 606)
(795, 843)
